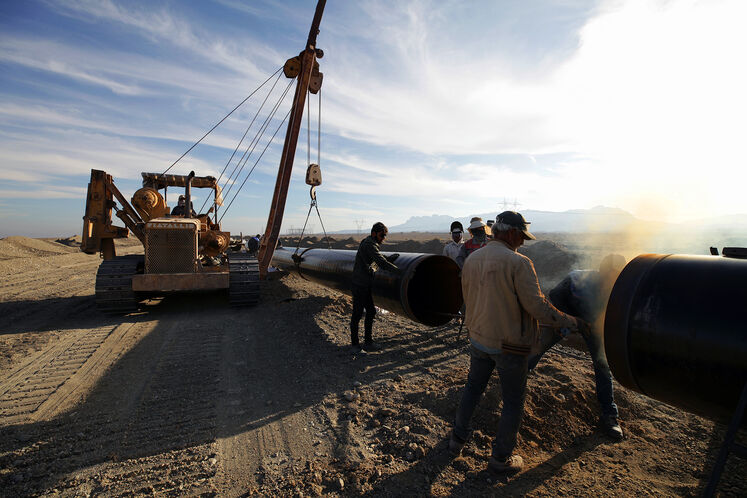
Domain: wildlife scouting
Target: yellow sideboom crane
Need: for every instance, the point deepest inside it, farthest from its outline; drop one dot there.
(182, 252)
(189, 251)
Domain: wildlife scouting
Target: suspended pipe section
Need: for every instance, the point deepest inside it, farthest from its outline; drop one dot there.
(427, 289)
(676, 330)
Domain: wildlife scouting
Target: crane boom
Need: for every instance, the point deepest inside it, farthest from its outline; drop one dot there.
(277, 207)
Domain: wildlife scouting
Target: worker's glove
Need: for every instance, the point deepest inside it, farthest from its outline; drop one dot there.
(584, 327)
(392, 258)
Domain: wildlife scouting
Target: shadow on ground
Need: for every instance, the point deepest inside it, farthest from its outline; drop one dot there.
(204, 371)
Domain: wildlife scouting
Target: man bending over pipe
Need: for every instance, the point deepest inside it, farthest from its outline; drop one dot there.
(367, 260)
(504, 303)
(584, 293)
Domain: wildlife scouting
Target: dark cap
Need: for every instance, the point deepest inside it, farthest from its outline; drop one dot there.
(456, 226)
(515, 220)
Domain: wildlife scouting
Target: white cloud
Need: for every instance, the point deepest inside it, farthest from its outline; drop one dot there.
(660, 113)
(653, 98)
(72, 152)
(164, 26)
(45, 192)
(645, 113)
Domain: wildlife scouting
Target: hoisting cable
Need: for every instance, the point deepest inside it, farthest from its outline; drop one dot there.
(314, 203)
(319, 160)
(242, 139)
(255, 165)
(308, 129)
(219, 122)
(255, 141)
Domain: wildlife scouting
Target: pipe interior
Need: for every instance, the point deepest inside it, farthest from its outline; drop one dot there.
(435, 292)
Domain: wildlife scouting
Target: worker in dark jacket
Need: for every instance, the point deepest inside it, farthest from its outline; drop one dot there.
(367, 261)
(181, 208)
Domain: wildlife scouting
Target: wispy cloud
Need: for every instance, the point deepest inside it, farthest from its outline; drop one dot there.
(425, 103)
(161, 25)
(45, 192)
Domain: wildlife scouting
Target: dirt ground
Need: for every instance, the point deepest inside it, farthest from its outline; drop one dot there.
(192, 397)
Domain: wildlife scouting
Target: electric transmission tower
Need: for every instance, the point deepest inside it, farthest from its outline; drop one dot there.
(359, 224)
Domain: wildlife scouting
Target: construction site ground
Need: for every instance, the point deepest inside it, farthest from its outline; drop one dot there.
(192, 397)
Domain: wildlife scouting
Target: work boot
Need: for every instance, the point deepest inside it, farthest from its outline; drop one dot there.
(370, 346)
(356, 349)
(456, 444)
(512, 464)
(611, 427)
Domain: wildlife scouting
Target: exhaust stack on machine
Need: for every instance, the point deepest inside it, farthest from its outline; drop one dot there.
(427, 290)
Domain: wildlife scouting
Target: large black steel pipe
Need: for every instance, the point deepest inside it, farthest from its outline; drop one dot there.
(676, 330)
(427, 290)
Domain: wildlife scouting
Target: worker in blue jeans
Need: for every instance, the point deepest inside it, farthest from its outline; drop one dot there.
(504, 306)
(584, 293)
(512, 373)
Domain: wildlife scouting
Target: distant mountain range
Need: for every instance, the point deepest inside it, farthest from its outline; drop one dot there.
(597, 219)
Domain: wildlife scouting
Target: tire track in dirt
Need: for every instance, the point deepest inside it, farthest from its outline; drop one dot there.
(41, 297)
(268, 424)
(41, 381)
(147, 422)
(166, 443)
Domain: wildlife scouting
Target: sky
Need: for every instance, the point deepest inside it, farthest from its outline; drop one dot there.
(427, 107)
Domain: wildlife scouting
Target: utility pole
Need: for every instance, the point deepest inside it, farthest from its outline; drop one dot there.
(306, 69)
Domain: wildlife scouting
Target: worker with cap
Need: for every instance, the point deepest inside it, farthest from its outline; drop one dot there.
(252, 244)
(180, 209)
(452, 248)
(503, 315)
(478, 240)
(585, 293)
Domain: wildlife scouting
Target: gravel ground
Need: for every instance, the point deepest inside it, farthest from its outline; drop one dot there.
(191, 397)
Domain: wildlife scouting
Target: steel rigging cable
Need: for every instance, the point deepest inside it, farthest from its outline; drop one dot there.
(255, 141)
(219, 122)
(243, 137)
(255, 165)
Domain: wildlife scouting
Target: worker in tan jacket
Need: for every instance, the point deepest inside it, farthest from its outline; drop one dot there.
(504, 307)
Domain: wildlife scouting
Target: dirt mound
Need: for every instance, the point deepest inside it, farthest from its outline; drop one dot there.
(128, 242)
(349, 243)
(551, 260)
(24, 247)
(73, 241)
(433, 246)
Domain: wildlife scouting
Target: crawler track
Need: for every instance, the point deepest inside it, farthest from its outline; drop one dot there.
(114, 292)
(244, 285)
